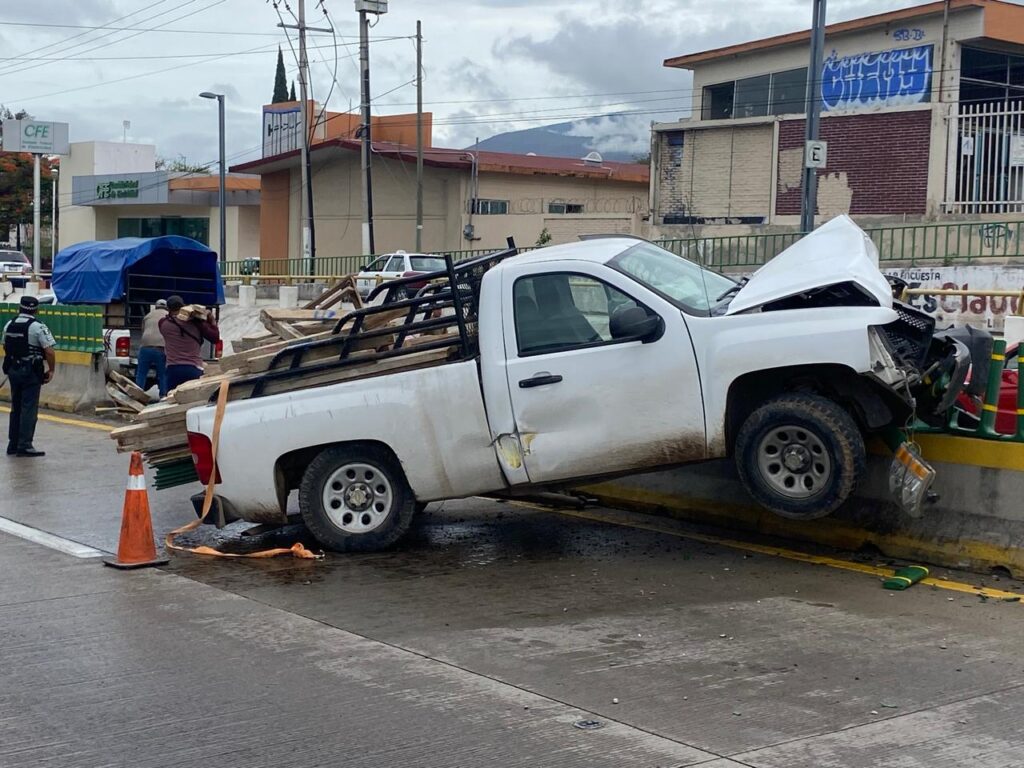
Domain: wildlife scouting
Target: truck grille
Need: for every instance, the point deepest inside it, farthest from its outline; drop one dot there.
(910, 336)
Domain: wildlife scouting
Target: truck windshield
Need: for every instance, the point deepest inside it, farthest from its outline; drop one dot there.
(687, 285)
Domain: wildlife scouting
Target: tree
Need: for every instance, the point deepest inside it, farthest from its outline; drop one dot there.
(644, 159)
(280, 81)
(16, 182)
(291, 96)
(180, 164)
(543, 238)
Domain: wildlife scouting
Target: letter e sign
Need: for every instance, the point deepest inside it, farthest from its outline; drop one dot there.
(816, 154)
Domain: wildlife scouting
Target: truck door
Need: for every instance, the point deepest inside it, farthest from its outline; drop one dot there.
(585, 401)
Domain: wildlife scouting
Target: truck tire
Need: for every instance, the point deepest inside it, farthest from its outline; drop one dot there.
(356, 499)
(800, 456)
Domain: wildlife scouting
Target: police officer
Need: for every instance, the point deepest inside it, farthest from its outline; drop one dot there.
(27, 345)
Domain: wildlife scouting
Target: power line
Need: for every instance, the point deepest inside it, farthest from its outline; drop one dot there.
(123, 39)
(80, 34)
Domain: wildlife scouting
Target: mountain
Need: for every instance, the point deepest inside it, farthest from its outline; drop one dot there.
(621, 138)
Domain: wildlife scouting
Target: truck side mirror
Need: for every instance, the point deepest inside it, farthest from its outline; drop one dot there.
(636, 323)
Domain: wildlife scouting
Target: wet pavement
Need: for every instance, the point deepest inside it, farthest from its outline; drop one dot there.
(480, 640)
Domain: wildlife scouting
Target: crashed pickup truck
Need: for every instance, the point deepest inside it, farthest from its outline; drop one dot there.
(590, 360)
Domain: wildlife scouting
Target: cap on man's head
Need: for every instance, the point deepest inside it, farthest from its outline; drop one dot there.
(174, 303)
(31, 303)
(161, 303)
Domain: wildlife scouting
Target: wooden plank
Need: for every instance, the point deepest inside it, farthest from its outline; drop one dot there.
(235, 360)
(122, 399)
(129, 387)
(415, 361)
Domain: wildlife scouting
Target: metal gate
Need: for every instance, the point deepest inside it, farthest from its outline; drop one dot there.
(986, 159)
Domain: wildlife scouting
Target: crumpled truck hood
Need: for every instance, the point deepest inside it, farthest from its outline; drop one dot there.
(836, 252)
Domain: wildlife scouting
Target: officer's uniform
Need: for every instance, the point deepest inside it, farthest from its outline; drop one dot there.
(25, 338)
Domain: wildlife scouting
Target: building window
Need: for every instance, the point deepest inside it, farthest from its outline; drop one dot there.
(565, 207)
(988, 76)
(674, 138)
(159, 226)
(718, 101)
(789, 92)
(489, 207)
(751, 97)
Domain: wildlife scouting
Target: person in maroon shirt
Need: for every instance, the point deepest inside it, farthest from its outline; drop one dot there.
(183, 342)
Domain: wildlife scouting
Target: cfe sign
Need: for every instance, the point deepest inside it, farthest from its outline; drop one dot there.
(816, 154)
(36, 137)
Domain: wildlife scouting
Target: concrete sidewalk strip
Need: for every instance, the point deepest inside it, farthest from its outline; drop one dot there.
(172, 672)
(979, 731)
(68, 547)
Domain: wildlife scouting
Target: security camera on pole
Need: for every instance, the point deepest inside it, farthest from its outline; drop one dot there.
(40, 139)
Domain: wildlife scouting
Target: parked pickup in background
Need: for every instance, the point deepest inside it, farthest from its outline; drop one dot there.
(601, 358)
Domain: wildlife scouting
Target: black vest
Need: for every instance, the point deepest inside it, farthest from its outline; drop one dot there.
(16, 346)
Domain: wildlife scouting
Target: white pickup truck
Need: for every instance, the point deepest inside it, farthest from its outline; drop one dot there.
(600, 358)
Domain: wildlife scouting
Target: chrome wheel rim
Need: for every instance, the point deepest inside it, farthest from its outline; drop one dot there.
(794, 462)
(357, 497)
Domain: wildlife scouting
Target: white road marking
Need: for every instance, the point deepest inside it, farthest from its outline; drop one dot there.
(66, 546)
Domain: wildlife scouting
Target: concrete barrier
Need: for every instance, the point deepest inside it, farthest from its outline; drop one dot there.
(79, 383)
(977, 524)
(247, 296)
(288, 298)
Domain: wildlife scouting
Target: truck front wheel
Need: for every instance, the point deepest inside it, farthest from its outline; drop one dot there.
(356, 499)
(800, 456)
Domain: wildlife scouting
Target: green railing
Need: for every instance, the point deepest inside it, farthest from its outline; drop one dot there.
(912, 244)
(75, 328)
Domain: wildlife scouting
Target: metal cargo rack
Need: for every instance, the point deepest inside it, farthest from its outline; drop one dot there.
(449, 299)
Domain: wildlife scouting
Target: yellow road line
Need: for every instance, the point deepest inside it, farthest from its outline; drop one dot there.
(762, 549)
(69, 422)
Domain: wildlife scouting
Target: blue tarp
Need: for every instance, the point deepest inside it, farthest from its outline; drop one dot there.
(102, 271)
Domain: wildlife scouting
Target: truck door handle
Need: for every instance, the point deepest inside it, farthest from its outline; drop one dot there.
(540, 380)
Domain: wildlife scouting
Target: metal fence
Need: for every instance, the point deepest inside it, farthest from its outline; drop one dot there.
(75, 328)
(912, 244)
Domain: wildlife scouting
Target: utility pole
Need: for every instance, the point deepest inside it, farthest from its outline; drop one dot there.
(419, 137)
(36, 256)
(306, 197)
(365, 7)
(809, 201)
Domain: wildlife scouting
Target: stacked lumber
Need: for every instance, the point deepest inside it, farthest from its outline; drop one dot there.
(158, 430)
(126, 396)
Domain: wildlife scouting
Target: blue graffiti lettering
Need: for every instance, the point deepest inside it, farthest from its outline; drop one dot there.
(900, 76)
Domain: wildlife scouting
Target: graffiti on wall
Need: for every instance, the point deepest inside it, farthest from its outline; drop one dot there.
(897, 77)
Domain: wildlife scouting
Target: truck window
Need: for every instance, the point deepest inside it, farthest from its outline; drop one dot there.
(560, 311)
(396, 264)
(687, 285)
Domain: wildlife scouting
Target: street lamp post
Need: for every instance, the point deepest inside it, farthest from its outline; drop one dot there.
(221, 197)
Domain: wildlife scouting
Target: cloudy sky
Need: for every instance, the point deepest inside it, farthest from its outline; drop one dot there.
(491, 65)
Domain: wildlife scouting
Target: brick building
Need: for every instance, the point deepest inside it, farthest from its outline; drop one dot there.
(922, 109)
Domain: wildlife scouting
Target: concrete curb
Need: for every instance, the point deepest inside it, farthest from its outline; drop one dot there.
(977, 525)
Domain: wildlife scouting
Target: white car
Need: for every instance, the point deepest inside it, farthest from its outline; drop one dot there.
(391, 266)
(15, 267)
(595, 359)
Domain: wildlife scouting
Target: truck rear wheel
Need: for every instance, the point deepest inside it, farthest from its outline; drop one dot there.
(356, 499)
(800, 456)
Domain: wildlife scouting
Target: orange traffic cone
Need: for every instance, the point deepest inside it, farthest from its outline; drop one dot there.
(136, 548)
